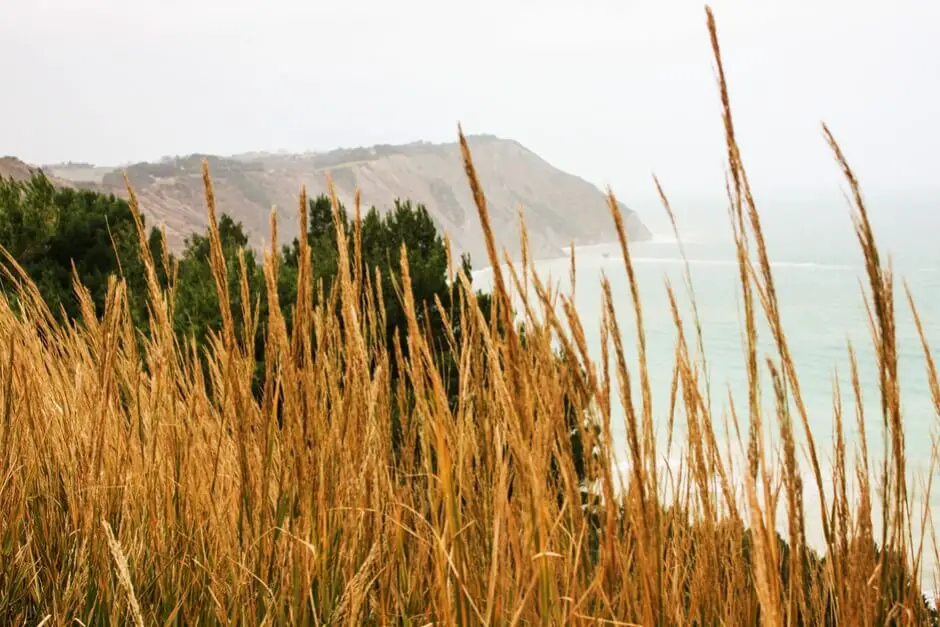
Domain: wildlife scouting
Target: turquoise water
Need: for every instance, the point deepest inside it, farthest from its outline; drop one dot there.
(822, 309)
(820, 284)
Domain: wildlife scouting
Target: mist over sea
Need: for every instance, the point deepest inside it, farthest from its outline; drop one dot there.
(820, 279)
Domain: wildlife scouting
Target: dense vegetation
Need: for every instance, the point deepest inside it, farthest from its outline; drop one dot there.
(304, 440)
(54, 233)
(58, 235)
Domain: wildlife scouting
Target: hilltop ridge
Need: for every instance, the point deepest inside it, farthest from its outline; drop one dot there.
(558, 207)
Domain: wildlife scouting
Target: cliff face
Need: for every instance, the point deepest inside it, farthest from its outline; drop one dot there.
(13, 168)
(558, 207)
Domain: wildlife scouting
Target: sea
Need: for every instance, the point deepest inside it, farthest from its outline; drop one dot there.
(821, 285)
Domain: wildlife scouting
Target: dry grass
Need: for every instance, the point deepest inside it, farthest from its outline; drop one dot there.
(132, 490)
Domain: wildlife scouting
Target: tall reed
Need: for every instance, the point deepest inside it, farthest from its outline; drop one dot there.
(145, 482)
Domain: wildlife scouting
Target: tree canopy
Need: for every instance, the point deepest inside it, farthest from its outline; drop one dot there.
(56, 234)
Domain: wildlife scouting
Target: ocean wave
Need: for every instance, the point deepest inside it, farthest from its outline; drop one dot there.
(807, 265)
(668, 238)
(613, 259)
(664, 239)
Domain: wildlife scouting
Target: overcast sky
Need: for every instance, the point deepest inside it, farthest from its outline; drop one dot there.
(611, 90)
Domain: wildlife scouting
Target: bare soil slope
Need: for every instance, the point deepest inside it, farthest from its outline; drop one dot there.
(558, 206)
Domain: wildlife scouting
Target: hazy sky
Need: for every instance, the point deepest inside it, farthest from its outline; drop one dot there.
(611, 90)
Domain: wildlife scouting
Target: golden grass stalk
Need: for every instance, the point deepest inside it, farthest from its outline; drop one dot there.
(359, 488)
